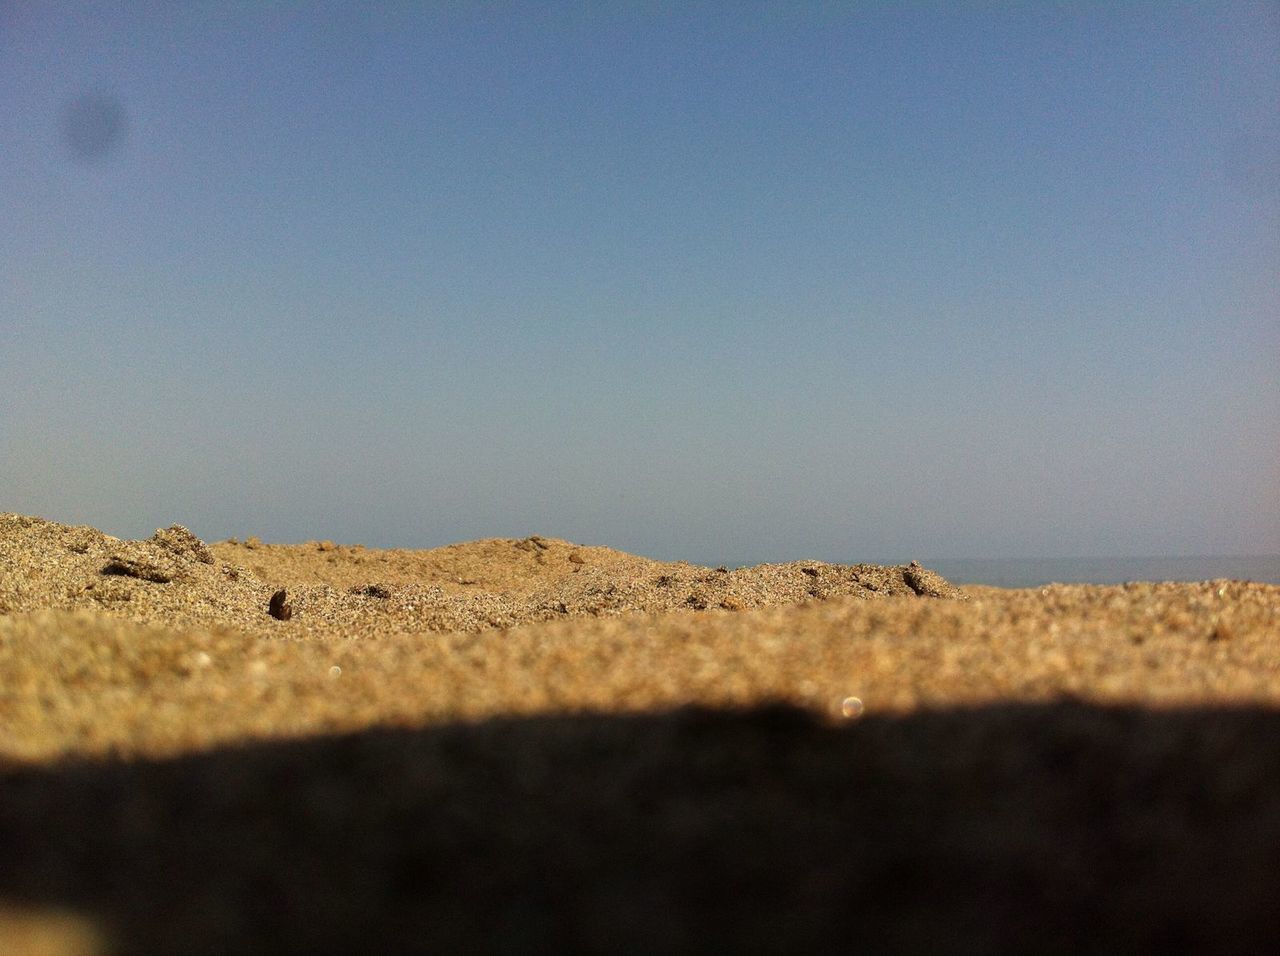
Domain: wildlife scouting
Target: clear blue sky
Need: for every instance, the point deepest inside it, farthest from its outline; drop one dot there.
(717, 281)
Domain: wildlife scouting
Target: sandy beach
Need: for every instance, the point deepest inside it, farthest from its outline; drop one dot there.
(518, 745)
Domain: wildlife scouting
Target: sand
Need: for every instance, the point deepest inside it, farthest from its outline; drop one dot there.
(525, 745)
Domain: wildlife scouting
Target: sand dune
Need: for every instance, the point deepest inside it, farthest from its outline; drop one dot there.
(518, 745)
(174, 579)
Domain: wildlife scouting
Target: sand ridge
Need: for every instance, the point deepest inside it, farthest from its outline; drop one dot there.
(174, 579)
(158, 646)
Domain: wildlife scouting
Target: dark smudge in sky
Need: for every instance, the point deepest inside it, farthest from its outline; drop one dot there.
(94, 126)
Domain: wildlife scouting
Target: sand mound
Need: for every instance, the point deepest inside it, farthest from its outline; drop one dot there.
(174, 579)
(163, 646)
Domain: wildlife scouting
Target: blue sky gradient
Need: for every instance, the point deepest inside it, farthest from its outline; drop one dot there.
(724, 282)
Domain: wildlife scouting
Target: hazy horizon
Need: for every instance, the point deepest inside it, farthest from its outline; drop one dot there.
(717, 282)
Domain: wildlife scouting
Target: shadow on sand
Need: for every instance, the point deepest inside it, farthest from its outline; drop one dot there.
(1047, 828)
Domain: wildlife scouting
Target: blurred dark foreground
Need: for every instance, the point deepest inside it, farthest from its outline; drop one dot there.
(1053, 828)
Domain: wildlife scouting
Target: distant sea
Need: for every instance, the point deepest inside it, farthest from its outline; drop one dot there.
(1035, 572)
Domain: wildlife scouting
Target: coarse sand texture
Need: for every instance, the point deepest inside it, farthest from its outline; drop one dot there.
(532, 745)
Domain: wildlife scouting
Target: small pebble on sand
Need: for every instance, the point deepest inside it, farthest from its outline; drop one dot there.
(278, 607)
